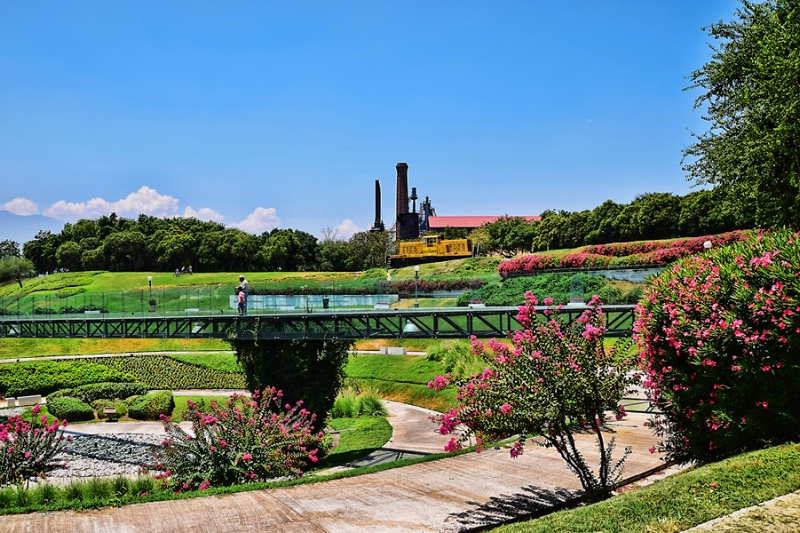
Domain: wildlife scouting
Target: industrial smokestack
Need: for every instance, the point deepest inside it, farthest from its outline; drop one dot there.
(378, 225)
(402, 188)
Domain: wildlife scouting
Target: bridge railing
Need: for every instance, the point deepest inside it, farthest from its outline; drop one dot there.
(331, 324)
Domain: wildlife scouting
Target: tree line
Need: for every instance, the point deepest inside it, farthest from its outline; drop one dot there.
(151, 243)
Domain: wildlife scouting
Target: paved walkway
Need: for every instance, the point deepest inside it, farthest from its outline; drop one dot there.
(452, 494)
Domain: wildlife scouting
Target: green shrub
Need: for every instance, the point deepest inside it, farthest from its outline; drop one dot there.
(345, 405)
(45, 377)
(720, 340)
(119, 405)
(164, 372)
(456, 357)
(152, 406)
(109, 390)
(71, 409)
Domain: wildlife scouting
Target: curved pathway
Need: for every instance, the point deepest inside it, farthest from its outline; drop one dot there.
(453, 494)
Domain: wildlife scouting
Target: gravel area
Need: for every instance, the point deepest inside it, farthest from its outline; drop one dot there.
(106, 455)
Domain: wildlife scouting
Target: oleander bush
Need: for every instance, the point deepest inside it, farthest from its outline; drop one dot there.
(245, 441)
(719, 335)
(28, 450)
(555, 380)
(617, 254)
(151, 406)
(71, 409)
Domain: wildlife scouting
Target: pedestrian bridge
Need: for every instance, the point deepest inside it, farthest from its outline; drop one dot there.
(357, 324)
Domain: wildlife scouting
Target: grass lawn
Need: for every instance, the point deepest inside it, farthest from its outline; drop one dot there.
(358, 437)
(684, 500)
(401, 378)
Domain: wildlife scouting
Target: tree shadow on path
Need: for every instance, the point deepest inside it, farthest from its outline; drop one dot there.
(532, 502)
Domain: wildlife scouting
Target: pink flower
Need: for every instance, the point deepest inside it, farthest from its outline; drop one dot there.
(505, 408)
(204, 485)
(452, 446)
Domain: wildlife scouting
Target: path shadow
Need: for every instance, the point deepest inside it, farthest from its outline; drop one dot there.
(532, 502)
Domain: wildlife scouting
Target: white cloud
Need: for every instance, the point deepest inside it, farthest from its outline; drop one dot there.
(20, 206)
(259, 221)
(144, 201)
(205, 213)
(346, 229)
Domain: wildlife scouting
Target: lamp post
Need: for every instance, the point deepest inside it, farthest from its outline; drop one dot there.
(151, 302)
(416, 285)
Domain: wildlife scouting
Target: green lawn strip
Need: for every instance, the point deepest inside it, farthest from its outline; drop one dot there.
(358, 437)
(401, 378)
(401, 368)
(223, 362)
(684, 500)
(23, 348)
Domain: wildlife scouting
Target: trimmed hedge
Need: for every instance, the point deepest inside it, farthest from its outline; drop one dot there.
(108, 390)
(70, 409)
(152, 406)
(119, 405)
(45, 377)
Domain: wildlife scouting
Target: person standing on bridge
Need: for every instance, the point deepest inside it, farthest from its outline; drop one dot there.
(244, 287)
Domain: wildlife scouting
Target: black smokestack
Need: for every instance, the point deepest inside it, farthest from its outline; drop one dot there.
(378, 225)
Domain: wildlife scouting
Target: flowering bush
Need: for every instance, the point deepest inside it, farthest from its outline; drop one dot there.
(245, 441)
(617, 254)
(720, 341)
(555, 381)
(28, 449)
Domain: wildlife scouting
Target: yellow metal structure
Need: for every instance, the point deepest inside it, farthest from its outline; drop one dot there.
(431, 248)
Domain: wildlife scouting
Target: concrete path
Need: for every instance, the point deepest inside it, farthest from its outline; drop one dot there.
(452, 494)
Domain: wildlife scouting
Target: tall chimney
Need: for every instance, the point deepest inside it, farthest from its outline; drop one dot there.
(378, 226)
(402, 188)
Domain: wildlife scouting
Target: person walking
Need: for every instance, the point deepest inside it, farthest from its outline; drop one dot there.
(244, 287)
(241, 302)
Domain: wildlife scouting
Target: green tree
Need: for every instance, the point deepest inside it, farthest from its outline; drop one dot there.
(332, 255)
(307, 370)
(510, 236)
(751, 98)
(125, 251)
(368, 249)
(68, 256)
(41, 251)
(15, 268)
(9, 248)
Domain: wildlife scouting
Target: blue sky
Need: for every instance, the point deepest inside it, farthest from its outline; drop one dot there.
(283, 114)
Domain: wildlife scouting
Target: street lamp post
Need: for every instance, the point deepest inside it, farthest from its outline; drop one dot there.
(150, 283)
(416, 286)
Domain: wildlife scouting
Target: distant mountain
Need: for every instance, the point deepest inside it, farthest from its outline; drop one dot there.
(24, 228)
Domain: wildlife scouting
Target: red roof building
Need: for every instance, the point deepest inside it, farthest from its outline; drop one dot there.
(436, 223)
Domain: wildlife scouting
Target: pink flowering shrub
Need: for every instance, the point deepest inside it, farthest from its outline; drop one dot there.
(617, 254)
(719, 336)
(556, 380)
(28, 449)
(244, 441)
